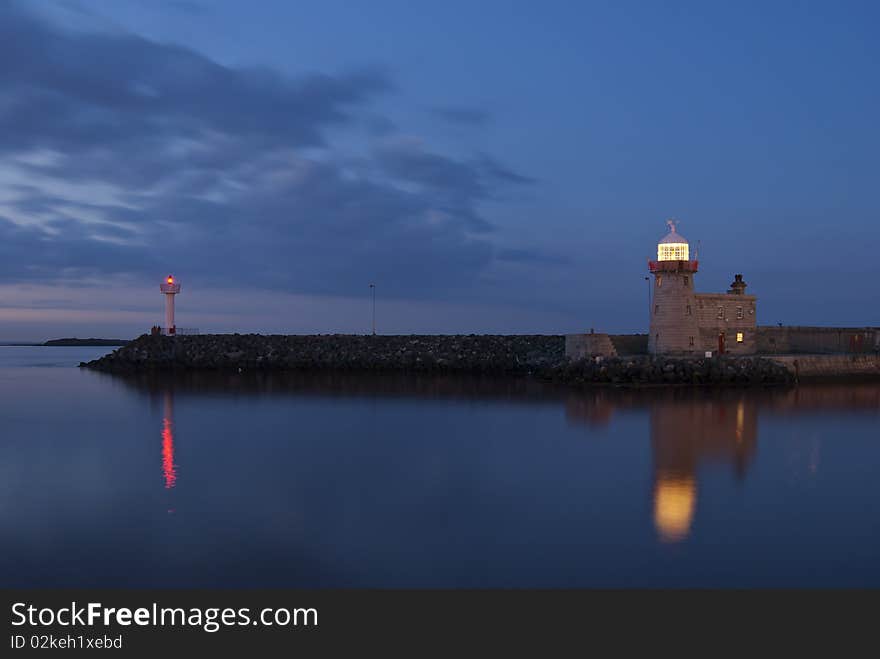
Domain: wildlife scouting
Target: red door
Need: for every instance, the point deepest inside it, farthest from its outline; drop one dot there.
(721, 343)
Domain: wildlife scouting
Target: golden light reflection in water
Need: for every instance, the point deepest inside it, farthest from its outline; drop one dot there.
(687, 432)
(740, 421)
(169, 469)
(675, 499)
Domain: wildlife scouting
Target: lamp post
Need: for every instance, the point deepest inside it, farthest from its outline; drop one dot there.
(373, 292)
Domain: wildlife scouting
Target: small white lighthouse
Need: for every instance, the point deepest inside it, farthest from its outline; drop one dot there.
(170, 288)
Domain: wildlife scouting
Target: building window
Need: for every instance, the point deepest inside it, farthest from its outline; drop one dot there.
(691, 341)
(659, 281)
(739, 313)
(656, 308)
(687, 310)
(686, 280)
(720, 313)
(656, 339)
(739, 337)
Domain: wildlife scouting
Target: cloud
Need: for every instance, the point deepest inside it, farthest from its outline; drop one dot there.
(462, 116)
(531, 256)
(455, 187)
(126, 157)
(76, 92)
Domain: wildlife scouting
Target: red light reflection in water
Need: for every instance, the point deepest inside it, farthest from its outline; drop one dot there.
(168, 466)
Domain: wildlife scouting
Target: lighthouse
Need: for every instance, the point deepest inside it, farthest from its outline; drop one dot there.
(684, 322)
(170, 287)
(674, 323)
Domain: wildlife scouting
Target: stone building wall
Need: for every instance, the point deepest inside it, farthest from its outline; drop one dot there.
(674, 328)
(817, 340)
(584, 346)
(630, 344)
(829, 367)
(729, 314)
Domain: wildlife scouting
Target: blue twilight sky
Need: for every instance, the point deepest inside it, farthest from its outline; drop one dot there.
(491, 166)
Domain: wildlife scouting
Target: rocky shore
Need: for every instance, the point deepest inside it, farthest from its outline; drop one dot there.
(538, 356)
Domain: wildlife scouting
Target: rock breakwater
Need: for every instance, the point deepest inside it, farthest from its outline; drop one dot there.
(540, 356)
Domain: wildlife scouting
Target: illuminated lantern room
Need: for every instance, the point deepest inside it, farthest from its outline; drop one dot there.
(673, 246)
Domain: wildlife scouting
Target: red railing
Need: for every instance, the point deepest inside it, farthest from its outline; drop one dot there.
(673, 266)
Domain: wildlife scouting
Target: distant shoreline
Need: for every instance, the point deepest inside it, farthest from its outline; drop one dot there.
(97, 343)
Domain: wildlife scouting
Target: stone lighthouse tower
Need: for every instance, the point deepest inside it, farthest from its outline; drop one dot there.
(674, 322)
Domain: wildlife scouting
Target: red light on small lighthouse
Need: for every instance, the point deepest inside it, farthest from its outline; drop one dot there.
(169, 288)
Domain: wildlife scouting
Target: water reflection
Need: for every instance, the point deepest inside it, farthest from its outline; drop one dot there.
(169, 469)
(691, 428)
(687, 429)
(344, 481)
(686, 434)
(675, 498)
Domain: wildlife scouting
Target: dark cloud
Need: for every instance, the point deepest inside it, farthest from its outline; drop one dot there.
(530, 256)
(463, 116)
(29, 254)
(499, 173)
(79, 91)
(133, 157)
(455, 186)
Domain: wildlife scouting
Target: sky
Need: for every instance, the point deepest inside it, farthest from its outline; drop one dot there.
(491, 167)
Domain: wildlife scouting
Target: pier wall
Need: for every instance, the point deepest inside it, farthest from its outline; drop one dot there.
(584, 346)
(818, 340)
(828, 367)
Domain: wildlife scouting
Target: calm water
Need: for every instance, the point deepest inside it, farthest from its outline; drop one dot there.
(405, 482)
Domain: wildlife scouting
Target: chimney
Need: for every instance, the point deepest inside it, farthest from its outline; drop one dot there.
(738, 287)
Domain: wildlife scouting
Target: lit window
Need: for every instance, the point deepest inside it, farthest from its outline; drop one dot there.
(739, 312)
(659, 281)
(739, 337)
(721, 313)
